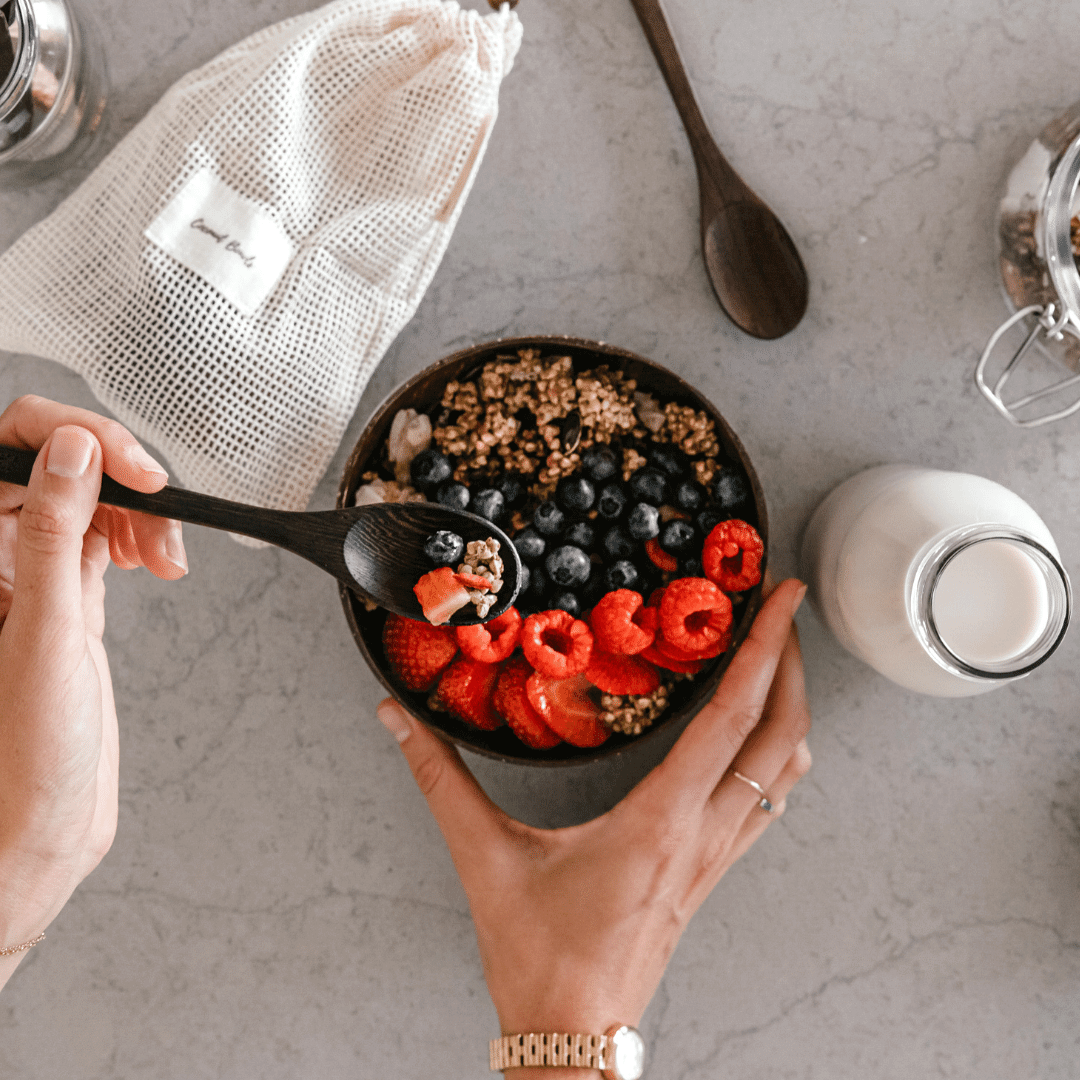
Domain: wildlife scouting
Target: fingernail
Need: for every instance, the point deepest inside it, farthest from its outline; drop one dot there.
(174, 547)
(798, 600)
(394, 720)
(70, 452)
(140, 458)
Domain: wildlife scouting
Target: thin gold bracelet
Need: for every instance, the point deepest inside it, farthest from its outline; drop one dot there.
(22, 948)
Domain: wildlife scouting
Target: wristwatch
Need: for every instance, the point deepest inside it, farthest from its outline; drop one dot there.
(619, 1053)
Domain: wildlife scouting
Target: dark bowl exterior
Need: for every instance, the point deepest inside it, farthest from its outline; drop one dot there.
(423, 392)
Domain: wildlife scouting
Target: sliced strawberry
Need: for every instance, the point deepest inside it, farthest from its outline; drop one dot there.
(466, 690)
(686, 667)
(659, 556)
(511, 701)
(416, 651)
(566, 708)
(615, 674)
(473, 581)
(440, 595)
(493, 640)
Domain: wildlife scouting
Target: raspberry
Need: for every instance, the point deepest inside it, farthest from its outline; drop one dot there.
(511, 701)
(732, 555)
(556, 643)
(675, 653)
(416, 651)
(659, 556)
(616, 674)
(466, 689)
(694, 614)
(615, 626)
(685, 667)
(492, 641)
(648, 617)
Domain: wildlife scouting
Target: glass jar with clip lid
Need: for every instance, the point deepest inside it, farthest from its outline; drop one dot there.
(52, 88)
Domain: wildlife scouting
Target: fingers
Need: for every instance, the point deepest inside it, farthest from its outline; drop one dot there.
(47, 602)
(708, 746)
(29, 421)
(471, 823)
(721, 851)
(785, 722)
(757, 821)
(134, 539)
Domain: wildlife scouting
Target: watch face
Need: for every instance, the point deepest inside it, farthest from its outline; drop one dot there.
(628, 1056)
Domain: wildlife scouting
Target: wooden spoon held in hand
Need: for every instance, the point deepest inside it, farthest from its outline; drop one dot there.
(751, 260)
(378, 549)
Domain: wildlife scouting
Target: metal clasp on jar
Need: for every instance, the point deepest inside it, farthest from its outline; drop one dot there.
(1048, 325)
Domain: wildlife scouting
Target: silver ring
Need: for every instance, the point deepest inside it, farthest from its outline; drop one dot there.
(764, 804)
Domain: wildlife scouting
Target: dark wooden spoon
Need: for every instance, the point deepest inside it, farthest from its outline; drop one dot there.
(377, 550)
(751, 260)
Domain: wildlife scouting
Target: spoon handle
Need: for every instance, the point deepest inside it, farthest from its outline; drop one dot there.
(295, 531)
(706, 152)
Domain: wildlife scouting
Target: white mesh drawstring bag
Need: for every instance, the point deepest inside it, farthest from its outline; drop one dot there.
(229, 276)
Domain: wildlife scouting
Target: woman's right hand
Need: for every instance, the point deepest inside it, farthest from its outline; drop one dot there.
(58, 729)
(576, 925)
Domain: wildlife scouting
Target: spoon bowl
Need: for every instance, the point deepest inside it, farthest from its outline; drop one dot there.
(751, 260)
(755, 269)
(376, 550)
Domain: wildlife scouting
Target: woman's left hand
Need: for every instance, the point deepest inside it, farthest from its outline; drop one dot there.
(58, 729)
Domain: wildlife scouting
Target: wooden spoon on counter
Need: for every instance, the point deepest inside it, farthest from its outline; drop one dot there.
(751, 260)
(378, 550)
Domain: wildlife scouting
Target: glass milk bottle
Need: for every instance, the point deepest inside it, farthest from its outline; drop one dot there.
(946, 583)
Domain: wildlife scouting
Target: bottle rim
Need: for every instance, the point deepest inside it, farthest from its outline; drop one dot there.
(927, 575)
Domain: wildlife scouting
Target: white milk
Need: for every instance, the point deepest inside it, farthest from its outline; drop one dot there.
(946, 583)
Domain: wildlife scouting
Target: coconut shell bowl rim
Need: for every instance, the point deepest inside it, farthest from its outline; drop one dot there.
(366, 627)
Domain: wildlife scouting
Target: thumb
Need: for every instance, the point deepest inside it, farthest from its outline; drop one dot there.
(60, 501)
(470, 822)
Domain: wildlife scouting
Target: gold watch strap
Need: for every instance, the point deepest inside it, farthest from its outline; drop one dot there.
(548, 1048)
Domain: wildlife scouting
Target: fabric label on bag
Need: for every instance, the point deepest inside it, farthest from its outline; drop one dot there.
(229, 241)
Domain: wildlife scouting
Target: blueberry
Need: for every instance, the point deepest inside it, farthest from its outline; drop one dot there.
(445, 548)
(612, 502)
(513, 490)
(618, 544)
(600, 463)
(489, 504)
(731, 491)
(690, 496)
(692, 568)
(453, 494)
(709, 518)
(581, 534)
(568, 566)
(649, 486)
(530, 545)
(621, 575)
(643, 522)
(549, 519)
(670, 460)
(567, 601)
(429, 469)
(678, 538)
(575, 494)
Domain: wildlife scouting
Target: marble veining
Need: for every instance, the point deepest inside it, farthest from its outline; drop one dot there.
(278, 904)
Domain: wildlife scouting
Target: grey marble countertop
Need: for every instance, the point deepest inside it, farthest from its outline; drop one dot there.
(278, 903)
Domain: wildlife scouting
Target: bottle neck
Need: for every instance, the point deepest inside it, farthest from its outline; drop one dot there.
(989, 602)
